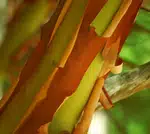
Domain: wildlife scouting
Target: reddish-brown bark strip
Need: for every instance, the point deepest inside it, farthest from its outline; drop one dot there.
(105, 99)
(31, 65)
(86, 48)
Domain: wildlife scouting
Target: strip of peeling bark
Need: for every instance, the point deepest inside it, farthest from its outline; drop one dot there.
(124, 85)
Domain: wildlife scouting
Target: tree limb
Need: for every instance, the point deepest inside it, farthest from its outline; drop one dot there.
(122, 86)
(145, 9)
(146, 5)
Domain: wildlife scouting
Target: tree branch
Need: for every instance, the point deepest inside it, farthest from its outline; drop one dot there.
(145, 5)
(145, 9)
(126, 84)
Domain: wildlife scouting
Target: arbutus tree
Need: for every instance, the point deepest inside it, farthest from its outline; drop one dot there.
(75, 45)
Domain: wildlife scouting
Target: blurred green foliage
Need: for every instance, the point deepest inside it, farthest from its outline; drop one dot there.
(3, 12)
(3, 17)
(137, 46)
